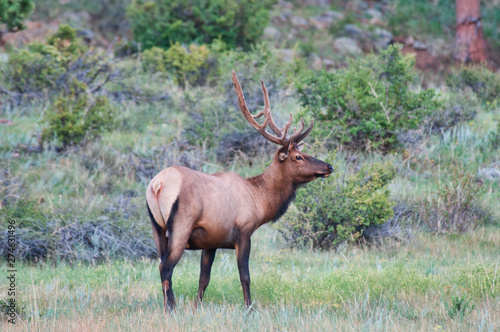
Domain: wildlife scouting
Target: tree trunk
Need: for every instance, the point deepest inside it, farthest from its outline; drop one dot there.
(470, 44)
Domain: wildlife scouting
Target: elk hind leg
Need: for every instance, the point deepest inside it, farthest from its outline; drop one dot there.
(177, 242)
(159, 234)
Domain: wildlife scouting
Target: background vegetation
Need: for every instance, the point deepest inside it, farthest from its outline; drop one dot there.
(404, 234)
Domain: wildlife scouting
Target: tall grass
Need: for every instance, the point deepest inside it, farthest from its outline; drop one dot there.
(391, 287)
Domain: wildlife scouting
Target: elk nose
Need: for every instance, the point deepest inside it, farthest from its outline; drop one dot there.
(330, 167)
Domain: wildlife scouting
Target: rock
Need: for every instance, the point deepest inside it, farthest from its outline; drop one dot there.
(328, 63)
(440, 48)
(299, 22)
(283, 17)
(79, 20)
(489, 173)
(347, 46)
(321, 22)
(420, 46)
(334, 14)
(272, 33)
(287, 54)
(382, 39)
(86, 34)
(353, 30)
(315, 61)
(409, 41)
(285, 4)
(373, 13)
(34, 32)
(317, 3)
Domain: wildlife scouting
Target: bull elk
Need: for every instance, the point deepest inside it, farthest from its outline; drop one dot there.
(197, 211)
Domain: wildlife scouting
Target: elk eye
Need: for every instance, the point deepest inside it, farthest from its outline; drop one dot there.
(299, 158)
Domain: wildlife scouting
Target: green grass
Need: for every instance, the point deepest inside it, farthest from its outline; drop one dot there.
(394, 287)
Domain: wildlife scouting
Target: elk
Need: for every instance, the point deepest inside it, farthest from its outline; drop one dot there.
(197, 211)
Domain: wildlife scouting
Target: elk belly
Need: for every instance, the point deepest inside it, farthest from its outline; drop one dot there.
(211, 235)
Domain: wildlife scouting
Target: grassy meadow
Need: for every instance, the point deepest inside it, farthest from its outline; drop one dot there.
(432, 283)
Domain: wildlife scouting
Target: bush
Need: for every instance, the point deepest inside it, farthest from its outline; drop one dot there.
(76, 118)
(329, 213)
(459, 107)
(30, 72)
(100, 234)
(48, 69)
(369, 103)
(454, 207)
(163, 22)
(13, 13)
(484, 83)
(183, 64)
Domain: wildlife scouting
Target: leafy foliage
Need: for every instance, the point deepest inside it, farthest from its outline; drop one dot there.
(484, 83)
(454, 207)
(163, 22)
(328, 214)
(367, 104)
(54, 67)
(184, 64)
(460, 304)
(76, 118)
(13, 13)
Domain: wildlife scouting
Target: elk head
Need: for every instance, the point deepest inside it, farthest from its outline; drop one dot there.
(299, 167)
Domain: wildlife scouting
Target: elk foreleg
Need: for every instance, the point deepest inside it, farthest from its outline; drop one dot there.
(207, 259)
(242, 257)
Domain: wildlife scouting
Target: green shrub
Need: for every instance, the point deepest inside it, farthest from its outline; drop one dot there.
(485, 83)
(48, 69)
(329, 212)
(163, 22)
(460, 304)
(454, 207)
(66, 42)
(76, 118)
(185, 65)
(367, 104)
(13, 13)
(28, 71)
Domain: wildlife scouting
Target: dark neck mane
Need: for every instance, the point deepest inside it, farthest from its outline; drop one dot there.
(276, 193)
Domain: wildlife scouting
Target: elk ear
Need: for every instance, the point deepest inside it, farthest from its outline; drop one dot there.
(301, 146)
(282, 155)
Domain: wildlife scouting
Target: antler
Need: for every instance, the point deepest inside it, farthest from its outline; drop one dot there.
(281, 133)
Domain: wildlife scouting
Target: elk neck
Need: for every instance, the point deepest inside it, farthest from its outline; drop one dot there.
(274, 190)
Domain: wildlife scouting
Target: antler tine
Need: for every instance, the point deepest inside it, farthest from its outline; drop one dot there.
(258, 115)
(250, 118)
(304, 134)
(281, 133)
(287, 126)
(297, 132)
(267, 105)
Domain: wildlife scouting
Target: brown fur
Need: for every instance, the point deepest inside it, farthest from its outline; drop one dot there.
(198, 211)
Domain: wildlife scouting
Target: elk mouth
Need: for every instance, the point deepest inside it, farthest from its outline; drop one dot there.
(324, 175)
